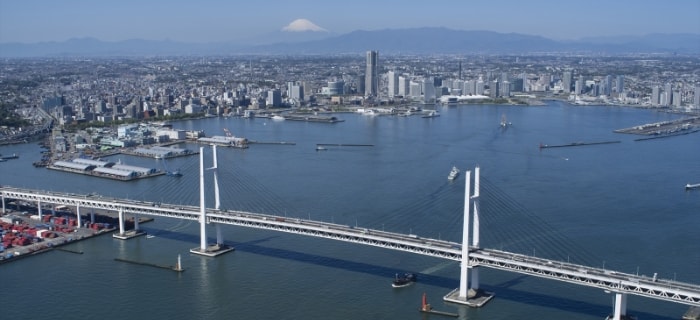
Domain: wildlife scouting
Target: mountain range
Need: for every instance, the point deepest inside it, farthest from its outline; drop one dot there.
(388, 41)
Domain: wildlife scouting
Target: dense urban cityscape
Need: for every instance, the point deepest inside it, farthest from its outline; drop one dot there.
(100, 91)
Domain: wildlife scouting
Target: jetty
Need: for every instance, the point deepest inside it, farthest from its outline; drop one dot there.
(427, 308)
(176, 268)
(576, 144)
(343, 145)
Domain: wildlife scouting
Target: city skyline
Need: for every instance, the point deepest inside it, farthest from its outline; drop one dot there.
(213, 21)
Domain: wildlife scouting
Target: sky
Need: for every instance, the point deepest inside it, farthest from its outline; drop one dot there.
(201, 21)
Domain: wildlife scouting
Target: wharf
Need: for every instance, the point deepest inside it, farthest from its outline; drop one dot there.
(313, 118)
(576, 144)
(105, 175)
(284, 143)
(664, 128)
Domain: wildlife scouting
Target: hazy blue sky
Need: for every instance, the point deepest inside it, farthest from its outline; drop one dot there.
(223, 20)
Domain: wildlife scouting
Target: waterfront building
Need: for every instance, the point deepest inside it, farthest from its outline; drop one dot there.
(677, 100)
(668, 90)
(393, 84)
(415, 89)
(493, 89)
(696, 99)
(504, 89)
(429, 90)
(608, 85)
(655, 95)
(296, 93)
(480, 87)
(371, 78)
(566, 80)
(274, 98)
(404, 86)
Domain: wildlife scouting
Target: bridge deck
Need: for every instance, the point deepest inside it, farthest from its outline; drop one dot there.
(685, 293)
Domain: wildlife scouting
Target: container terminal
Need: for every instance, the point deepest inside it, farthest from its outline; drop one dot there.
(24, 233)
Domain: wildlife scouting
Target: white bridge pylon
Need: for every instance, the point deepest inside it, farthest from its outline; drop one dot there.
(218, 248)
(466, 294)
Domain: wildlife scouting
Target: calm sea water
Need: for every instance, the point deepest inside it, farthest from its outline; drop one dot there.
(619, 206)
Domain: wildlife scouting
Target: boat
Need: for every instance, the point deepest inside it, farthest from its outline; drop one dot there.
(277, 118)
(692, 186)
(504, 123)
(432, 114)
(320, 148)
(453, 174)
(403, 280)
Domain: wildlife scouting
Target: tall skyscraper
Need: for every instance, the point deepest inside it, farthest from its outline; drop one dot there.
(668, 90)
(608, 85)
(566, 80)
(655, 95)
(620, 84)
(393, 84)
(371, 79)
(404, 88)
(696, 98)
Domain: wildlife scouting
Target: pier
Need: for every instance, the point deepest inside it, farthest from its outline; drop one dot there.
(576, 144)
(176, 268)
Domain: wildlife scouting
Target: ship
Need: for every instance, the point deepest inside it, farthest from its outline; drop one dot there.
(403, 280)
(692, 186)
(453, 174)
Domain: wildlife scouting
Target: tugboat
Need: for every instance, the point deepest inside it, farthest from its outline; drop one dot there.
(403, 280)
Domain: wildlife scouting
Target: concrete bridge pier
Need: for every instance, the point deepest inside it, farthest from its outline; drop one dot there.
(38, 207)
(77, 215)
(619, 307)
(127, 234)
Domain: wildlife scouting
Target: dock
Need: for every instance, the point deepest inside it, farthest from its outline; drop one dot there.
(313, 118)
(284, 143)
(576, 144)
(68, 250)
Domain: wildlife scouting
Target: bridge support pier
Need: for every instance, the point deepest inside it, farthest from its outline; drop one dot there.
(124, 234)
(204, 249)
(38, 207)
(619, 307)
(77, 215)
(473, 297)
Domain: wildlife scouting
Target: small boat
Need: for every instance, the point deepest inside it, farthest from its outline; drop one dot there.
(453, 174)
(432, 114)
(320, 148)
(692, 186)
(277, 118)
(403, 280)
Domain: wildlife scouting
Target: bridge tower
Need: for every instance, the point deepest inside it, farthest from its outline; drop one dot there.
(204, 249)
(473, 297)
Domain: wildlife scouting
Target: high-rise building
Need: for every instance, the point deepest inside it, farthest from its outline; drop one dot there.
(393, 83)
(493, 89)
(696, 98)
(274, 98)
(620, 84)
(504, 89)
(566, 80)
(296, 93)
(429, 90)
(655, 95)
(677, 100)
(668, 90)
(371, 79)
(404, 87)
